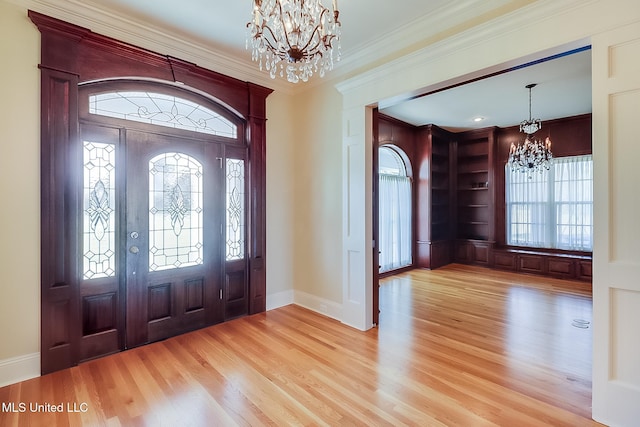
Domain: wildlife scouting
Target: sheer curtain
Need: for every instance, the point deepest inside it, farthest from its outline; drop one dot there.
(553, 209)
(574, 203)
(528, 219)
(395, 221)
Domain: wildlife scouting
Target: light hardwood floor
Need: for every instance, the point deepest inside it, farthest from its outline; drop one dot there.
(457, 346)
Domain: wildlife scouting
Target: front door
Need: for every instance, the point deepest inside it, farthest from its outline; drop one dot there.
(161, 233)
(173, 235)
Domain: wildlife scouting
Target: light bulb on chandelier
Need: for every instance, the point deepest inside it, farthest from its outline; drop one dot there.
(533, 155)
(294, 37)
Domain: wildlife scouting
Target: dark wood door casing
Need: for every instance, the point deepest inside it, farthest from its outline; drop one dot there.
(70, 56)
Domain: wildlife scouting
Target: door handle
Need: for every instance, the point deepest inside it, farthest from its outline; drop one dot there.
(134, 249)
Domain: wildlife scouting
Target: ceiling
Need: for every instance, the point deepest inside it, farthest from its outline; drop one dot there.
(222, 23)
(370, 29)
(563, 90)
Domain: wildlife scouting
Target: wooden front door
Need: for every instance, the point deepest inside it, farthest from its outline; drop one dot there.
(160, 227)
(172, 237)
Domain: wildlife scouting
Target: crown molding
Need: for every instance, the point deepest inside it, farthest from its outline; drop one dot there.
(93, 16)
(448, 16)
(390, 46)
(517, 20)
(141, 34)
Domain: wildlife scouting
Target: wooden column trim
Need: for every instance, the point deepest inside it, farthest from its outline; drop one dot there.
(256, 127)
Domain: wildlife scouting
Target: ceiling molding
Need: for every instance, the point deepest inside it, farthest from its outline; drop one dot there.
(146, 36)
(444, 18)
(526, 17)
(389, 46)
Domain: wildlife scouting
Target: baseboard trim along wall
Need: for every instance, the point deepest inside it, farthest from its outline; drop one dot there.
(279, 299)
(19, 368)
(319, 305)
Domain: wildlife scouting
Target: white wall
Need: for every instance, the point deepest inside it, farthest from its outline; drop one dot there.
(20, 195)
(281, 164)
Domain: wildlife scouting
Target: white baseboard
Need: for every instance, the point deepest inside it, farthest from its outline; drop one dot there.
(19, 368)
(320, 305)
(303, 299)
(279, 299)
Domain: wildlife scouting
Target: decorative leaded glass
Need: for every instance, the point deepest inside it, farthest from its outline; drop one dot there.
(235, 209)
(163, 110)
(99, 162)
(175, 212)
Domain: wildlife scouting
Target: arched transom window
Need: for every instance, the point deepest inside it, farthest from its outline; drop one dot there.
(163, 110)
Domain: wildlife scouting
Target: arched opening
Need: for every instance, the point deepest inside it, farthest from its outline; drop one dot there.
(394, 209)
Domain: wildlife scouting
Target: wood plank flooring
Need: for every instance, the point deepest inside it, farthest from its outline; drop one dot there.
(457, 346)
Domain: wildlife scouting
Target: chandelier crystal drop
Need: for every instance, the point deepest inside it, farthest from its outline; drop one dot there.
(294, 37)
(533, 155)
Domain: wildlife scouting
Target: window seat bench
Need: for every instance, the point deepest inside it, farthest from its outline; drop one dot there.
(548, 263)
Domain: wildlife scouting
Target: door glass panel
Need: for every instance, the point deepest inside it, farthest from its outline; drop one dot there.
(162, 110)
(175, 212)
(99, 161)
(235, 209)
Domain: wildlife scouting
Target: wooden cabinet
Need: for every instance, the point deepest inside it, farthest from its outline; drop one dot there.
(474, 196)
(435, 223)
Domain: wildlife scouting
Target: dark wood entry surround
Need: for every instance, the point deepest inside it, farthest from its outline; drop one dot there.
(71, 56)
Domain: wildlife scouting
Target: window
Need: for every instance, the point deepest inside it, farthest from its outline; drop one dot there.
(99, 201)
(394, 210)
(163, 110)
(235, 209)
(175, 211)
(553, 209)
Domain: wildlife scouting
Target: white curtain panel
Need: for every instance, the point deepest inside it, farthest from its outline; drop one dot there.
(552, 209)
(395, 215)
(573, 192)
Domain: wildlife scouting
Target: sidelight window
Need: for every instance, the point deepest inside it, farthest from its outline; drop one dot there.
(99, 168)
(235, 210)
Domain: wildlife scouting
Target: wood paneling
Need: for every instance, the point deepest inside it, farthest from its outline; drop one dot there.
(159, 301)
(584, 270)
(560, 267)
(194, 295)
(99, 313)
(547, 262)
(454, 347)
(531, 264)
(505, 261)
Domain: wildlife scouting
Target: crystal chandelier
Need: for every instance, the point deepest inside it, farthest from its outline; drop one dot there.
(296, 37)
(533, 155)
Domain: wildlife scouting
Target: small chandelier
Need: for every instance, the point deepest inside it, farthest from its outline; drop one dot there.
(532, 155)
(296, 37)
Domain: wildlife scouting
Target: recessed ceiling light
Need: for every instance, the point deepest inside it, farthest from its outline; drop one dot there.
(478, 119)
